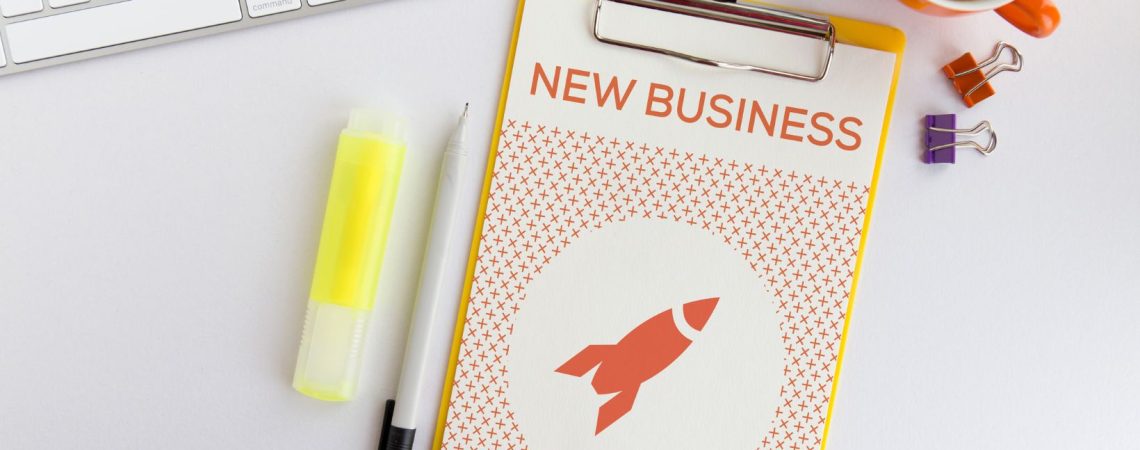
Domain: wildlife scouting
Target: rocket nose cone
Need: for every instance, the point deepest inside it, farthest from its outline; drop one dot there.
(697, 313)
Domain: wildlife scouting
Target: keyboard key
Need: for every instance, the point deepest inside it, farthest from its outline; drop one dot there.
(321, 2)
(63, 3)
(3, 62)
(117, 23)
(258, 8)
(13, 8)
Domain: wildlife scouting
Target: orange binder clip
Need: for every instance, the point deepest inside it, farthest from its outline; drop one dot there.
(972, 80)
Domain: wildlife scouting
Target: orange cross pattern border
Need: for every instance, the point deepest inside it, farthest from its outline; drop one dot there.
(799, 232)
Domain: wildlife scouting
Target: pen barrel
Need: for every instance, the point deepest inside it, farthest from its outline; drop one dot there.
(354, 235)
(441, 258)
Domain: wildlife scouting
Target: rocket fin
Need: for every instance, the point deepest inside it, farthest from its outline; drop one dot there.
(615, 408)
(584, 361)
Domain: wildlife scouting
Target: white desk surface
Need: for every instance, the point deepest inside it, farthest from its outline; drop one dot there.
(159, 213)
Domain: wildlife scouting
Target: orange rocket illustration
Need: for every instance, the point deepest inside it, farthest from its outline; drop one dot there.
(639, 356)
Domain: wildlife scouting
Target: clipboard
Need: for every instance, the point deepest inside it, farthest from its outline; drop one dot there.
(472, 414)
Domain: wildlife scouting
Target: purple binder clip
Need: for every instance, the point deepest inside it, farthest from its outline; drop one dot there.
(942, 139)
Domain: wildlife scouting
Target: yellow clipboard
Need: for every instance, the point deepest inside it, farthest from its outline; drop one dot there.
(845, 31)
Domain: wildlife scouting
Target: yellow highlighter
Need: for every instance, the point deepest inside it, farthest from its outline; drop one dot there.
(369, 159)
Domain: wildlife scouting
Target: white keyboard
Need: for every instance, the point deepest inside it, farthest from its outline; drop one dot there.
(41, 33)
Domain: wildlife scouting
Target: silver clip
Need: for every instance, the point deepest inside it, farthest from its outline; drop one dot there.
(980, 128)
(799, 24)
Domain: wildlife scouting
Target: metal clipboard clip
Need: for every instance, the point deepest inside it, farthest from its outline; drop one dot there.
(798, 24)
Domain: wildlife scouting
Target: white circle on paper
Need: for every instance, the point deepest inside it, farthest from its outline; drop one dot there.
(721, 392)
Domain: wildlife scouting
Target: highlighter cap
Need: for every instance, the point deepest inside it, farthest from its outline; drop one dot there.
(388, 126)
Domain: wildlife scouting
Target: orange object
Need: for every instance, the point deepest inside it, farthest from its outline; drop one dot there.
(1037, 18)
(972, 79)
(965, 83)
(638, 357)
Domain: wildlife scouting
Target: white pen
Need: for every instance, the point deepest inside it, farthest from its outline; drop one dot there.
(442, 250)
